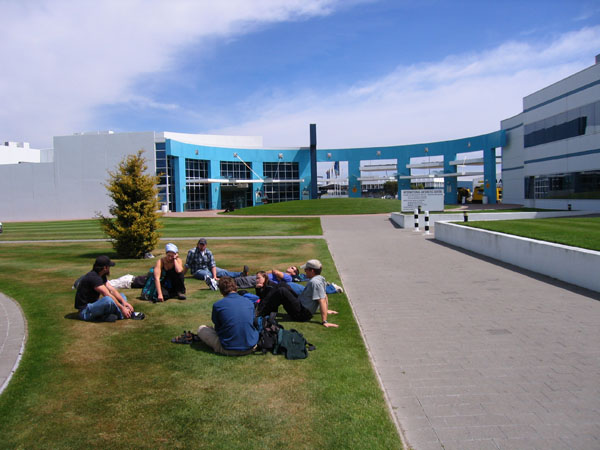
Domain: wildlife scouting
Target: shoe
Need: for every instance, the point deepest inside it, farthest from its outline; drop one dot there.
(245, 271)
(137, 315)
(181, 296)
(111, 318)
(212, 283)
(338, 288)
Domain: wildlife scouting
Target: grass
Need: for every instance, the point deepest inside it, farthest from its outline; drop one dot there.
(581, 232)
(125, 385)
(323, 206)
(173, 227)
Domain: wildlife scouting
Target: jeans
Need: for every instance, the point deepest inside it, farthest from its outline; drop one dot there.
(202, 274)
(101, 309)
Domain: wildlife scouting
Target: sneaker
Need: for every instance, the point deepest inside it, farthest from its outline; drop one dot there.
(212, 283)
(337, 288)
(137, 315)
(245, 270)
(181, 296)
(111, 318)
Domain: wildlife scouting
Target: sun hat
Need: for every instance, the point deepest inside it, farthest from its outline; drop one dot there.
(312, 264)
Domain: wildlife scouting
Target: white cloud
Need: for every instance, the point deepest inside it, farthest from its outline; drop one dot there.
(62, 58)
(463, 95)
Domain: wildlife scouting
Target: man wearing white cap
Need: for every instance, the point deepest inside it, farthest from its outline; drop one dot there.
(168, 275)
(313, 296)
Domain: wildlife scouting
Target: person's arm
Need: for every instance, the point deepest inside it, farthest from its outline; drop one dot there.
(105, 291)
(212, 264)
(324, 307)
(157, 273)
(277, 274)
(178, 264)
(188, 259)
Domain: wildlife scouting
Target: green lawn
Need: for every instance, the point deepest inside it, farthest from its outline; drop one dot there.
(323, 206)
(172, 227)
(581, 232)
(125, 385)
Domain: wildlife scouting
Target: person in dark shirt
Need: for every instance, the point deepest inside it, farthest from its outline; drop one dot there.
(97, 300)
(234, 333)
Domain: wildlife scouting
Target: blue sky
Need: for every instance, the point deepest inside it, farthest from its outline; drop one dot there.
(368, 72)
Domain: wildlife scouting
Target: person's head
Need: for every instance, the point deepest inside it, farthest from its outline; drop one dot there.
(103, 265)
(261, 279)
(172, 251)
(293, 271)
(201, 244)
(227, 285)
(312, 267)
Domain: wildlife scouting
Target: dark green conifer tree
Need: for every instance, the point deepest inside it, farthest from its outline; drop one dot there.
(133, 227)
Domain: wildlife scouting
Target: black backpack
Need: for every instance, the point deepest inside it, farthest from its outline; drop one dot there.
(268, 332)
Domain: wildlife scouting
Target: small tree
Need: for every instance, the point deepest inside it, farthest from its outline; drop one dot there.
(133, 227)
(390, 187)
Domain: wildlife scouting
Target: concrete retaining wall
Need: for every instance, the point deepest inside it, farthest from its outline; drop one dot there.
(408, 221)
(571, 264)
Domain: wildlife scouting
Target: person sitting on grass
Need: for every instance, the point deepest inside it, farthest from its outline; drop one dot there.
(97, 300)
(169, 268)
(201, 262)
(300, 307)
(234, 333)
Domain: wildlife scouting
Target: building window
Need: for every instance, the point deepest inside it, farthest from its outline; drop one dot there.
(575, 185)
(236, 195)
(164, 173)
(572, 128)
(197, 192)
(281, 192)
(236, 170)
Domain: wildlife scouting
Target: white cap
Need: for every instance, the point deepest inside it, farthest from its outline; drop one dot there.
(171, 248)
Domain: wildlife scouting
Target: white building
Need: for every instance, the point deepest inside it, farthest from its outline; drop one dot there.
(552, 154)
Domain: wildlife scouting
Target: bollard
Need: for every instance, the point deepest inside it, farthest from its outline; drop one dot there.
(465, 216)
(427, 222)
(416, 220)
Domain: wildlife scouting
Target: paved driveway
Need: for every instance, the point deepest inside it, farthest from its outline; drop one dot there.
(472, 354)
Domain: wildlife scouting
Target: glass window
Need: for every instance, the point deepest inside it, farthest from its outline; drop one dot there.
(198, 194)
(281, 192)
(574, 185)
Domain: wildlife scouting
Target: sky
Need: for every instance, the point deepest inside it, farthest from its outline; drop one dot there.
(367, 72)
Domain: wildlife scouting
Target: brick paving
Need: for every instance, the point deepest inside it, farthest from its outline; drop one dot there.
(471, 354)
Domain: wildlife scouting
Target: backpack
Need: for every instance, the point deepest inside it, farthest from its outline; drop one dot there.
(279, 341)
(268, 333)
(293, 345)
(149, 289)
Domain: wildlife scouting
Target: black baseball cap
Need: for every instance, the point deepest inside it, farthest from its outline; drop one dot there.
(201, 241)
(102, 261)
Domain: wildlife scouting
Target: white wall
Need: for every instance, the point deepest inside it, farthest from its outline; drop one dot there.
(18, 152)
(571, 264)
(72, 186)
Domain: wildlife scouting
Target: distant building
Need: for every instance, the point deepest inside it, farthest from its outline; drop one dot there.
(552, 154)
(550, 159)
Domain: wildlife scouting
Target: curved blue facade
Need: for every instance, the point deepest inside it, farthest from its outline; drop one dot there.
(254, 161)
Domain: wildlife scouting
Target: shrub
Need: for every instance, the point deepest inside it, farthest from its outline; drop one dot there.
(133, 227)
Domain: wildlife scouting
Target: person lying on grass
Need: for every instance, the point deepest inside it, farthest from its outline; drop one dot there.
(234, 333)
(291, 276)
(302, 307)
(97, 300)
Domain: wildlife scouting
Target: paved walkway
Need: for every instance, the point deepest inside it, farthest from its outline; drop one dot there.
(13, 332)
(471, 354)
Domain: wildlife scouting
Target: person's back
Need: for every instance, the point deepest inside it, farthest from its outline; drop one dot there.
(86, 289)
(234, 333)
(233, 317)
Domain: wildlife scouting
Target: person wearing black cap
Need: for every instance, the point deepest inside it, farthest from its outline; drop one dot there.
(97, 300)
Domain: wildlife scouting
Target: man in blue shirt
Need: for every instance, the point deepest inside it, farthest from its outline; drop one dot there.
(234, 333)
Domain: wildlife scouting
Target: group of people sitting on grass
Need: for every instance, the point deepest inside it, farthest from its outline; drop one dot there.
(234, 331)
